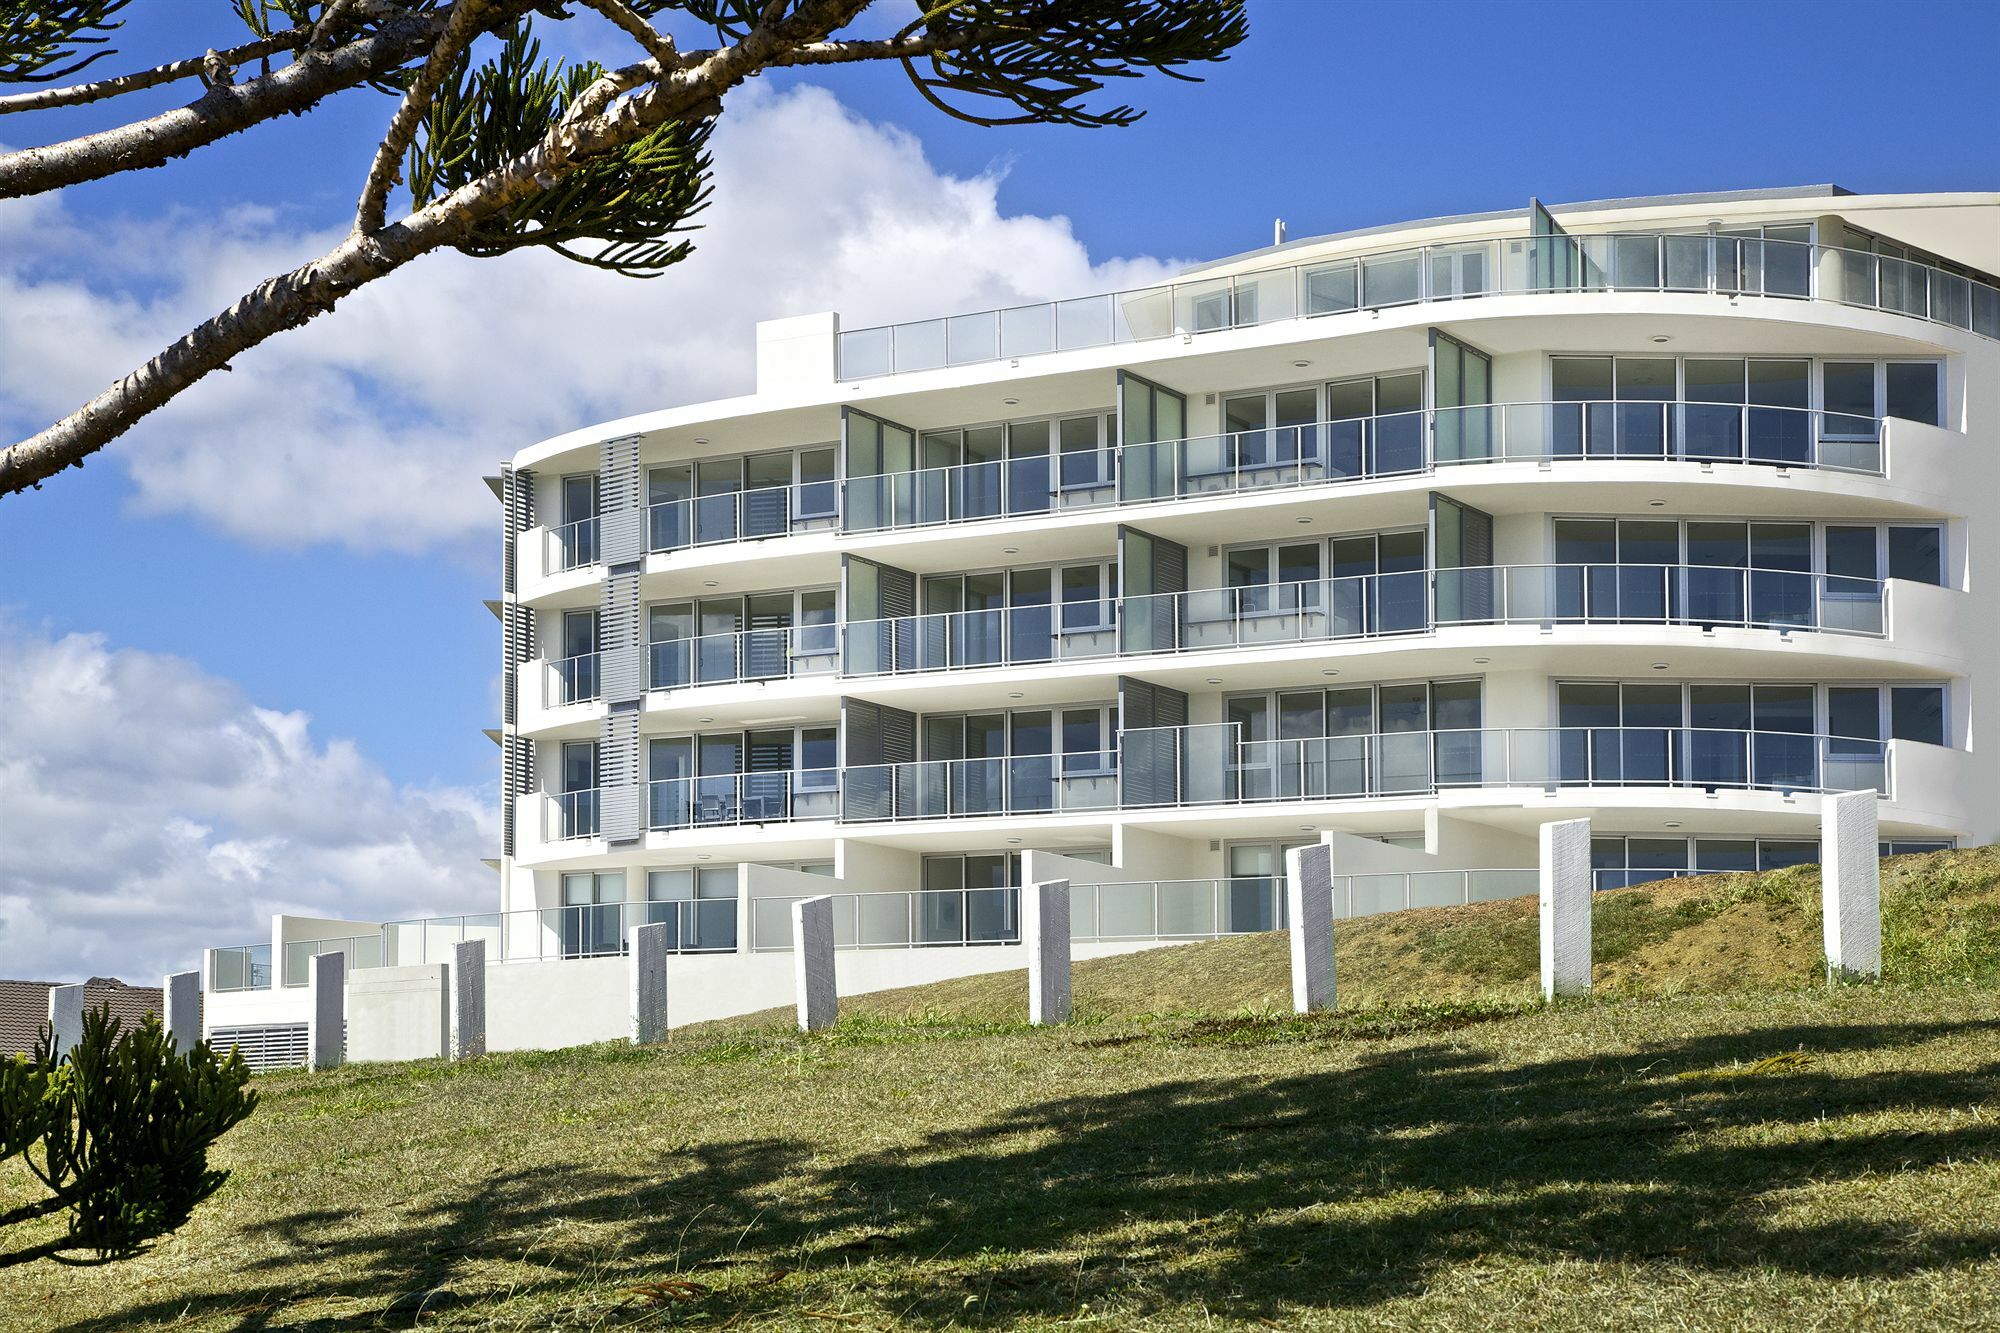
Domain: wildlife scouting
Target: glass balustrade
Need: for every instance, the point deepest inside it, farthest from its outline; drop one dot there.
(1396, 444)
(961, 788)
(779, 795)
(240, 967)
(1700, 262)
(359, 951)
(746, 515)
(576, 815)
(752, 654)
(574, 680)
(1209, 764)
(572, 546)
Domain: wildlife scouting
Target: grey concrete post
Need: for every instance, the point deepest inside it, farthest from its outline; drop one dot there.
(812, 963)
(1309, 914)
(1045, 930)
(468, 999)
(180, 1001)
(646, 966)
(326, 1020)
(66, 1017)
(1566, 908)
(1850, 878)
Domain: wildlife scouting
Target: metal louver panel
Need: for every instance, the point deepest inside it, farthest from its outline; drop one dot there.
(621, 502)
(620, 793)
(269, 1046)
(1148, 763)
(621, 649)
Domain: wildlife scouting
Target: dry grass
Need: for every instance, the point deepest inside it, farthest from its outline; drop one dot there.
(1777, 1157)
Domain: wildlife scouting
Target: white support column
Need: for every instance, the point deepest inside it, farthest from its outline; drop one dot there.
(1045, 930)
(66, 1017)
(812, 963)
(180, 998)
(646, 960)
(1566, 896)
(326, 1020)
(1309, 912)
(468, 999)
(1850, 879)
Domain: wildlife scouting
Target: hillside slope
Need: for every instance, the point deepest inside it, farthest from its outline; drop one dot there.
(1940, 921)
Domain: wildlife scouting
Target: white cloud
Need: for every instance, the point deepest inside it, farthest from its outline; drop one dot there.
(371, 426)
(148, 809)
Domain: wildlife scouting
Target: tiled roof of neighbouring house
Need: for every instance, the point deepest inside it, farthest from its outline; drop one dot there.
(24, 1007)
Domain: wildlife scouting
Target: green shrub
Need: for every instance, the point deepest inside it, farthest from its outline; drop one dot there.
(118, 1131)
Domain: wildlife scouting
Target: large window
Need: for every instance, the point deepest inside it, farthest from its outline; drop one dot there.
(1356, 740)
(761, 636)
(697, 904)
(742, 777)
(1856, 394)
(593, 913)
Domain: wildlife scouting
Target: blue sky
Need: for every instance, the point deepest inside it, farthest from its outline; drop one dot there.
(1333, 115)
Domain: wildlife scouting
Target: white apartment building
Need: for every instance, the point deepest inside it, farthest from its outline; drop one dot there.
(1656, 511)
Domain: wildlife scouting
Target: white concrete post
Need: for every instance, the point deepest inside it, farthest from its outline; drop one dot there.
(1309, 914)
(66, 1017)
(812, 963)
(326, 1015)
(646, 966)
(1850, 879)
(468, 999)
(1045, 930)
(1566, 895)
(180, 1001)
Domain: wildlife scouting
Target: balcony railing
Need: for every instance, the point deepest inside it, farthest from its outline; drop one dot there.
(959, 788)
(1211, 764)
(1365, 606)
(574, 680)
(575, 814)
(571, 546)
(738, 516)
(240, 967)
(751, 654)
(1396, 444)
(899, 919)
(776, 796)
(1607, 262)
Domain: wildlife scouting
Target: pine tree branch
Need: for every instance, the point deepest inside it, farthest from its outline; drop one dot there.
(77, 95)
(466, 22)
(292, 299)
(655, 43)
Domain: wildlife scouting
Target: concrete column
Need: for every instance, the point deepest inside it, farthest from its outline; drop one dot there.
(66, 1017)
(1566, 908)
(1850, 879)
(812, 963)
(1045, 930)
(326, 1022)
(646, 966)
(1309, 912)
(180, 998)
(468, 999)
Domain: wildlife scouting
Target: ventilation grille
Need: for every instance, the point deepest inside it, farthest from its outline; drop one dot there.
(274, 1046)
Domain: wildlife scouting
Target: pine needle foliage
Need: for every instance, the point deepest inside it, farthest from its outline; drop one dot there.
(43, 40)
(621, 212)
(118, 1130)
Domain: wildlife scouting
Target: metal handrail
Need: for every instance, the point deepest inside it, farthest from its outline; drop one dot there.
(767, 797)
(1670, 262)
(575, 680)
(749, 654)
(750, 514)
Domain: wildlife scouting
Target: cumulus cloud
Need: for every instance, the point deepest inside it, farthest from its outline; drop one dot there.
(372, 426)
(148, 809)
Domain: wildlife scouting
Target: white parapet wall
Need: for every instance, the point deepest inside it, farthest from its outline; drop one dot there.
(399, 1013)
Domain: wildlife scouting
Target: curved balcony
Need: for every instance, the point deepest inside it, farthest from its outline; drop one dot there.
(1701, 262)
(1398, 444)
(1367, 606)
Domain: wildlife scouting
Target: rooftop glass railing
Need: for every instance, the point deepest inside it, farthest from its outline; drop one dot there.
(1212, 764)
(1396, 444)
(240, 967)
(1607, 262)
(359, 950)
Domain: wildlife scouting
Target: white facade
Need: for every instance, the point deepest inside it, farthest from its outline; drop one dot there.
(1659, 513)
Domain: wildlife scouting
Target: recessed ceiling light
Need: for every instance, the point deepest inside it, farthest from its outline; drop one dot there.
(1015, 695)
(1673, 823)
(1330, 671)
(1301, 364)
(1659, 666)
(708, 583)
(1011, 402)
(1010, 550)
(1481, 661)
(1305, 828)
(701, 439)
(1301, 520)
(1215, 680)
(1657, 504)
(1013, 842)
(1662, 338)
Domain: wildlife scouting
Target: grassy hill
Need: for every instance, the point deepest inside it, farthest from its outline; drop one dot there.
(1772, 1153)
(1940, 922)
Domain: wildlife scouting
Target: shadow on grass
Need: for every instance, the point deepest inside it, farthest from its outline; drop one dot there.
(1334, 1190)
